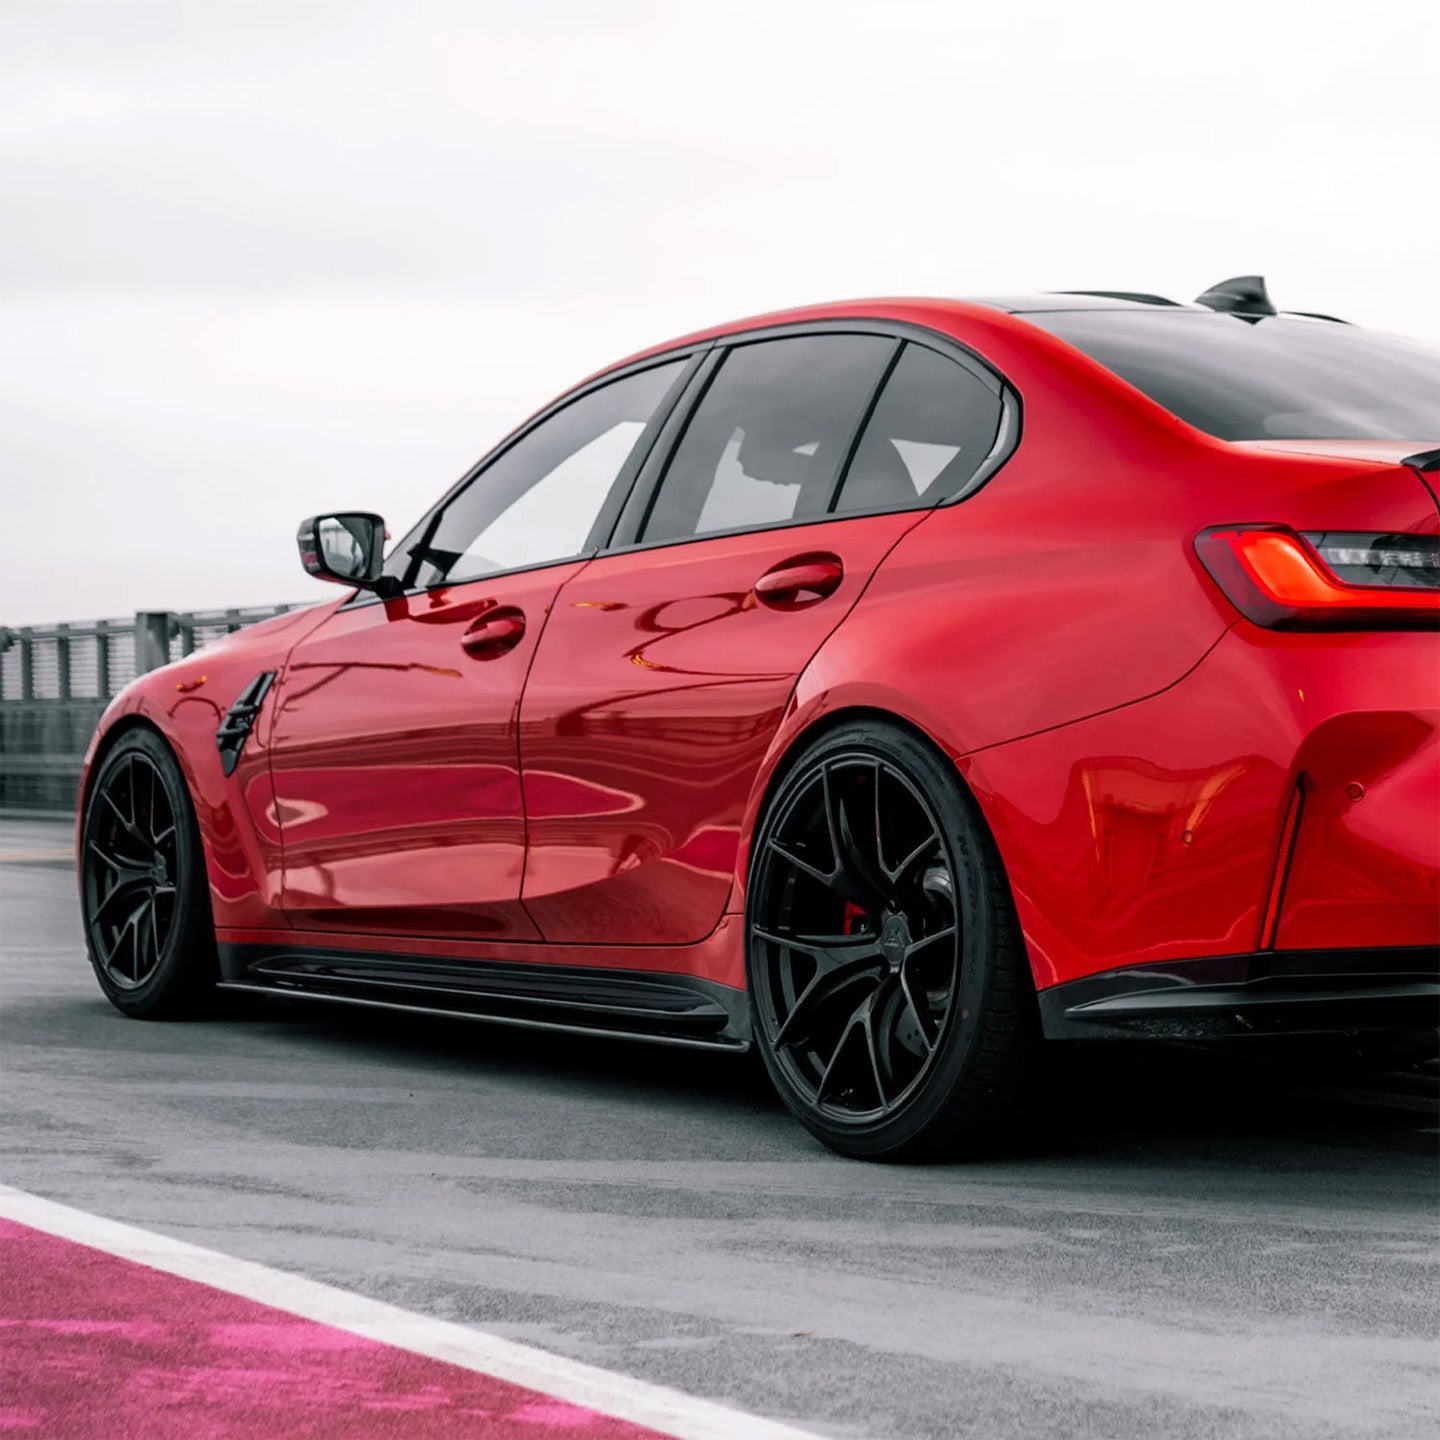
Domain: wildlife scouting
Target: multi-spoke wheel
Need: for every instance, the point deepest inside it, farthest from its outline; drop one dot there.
(887, 973)
(142, 882)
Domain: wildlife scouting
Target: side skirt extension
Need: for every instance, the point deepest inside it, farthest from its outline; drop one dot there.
(624, 1004)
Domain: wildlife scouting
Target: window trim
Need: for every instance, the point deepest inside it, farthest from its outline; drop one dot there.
(646, 485)
(632, 494)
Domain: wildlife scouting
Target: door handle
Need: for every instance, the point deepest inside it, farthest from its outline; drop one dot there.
(799, 582)
(499, 631)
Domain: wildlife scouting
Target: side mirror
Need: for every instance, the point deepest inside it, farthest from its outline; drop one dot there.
(348, 549)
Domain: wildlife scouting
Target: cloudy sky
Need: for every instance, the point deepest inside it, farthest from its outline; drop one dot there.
(263, 259)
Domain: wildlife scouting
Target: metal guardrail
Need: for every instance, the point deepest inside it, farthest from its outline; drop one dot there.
(55, 680)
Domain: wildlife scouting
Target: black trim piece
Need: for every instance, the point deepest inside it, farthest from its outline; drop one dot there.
(643, 489)
(1284, 856)
(842, 472)
(235, 727)
(636, 1004)
(1275, 992)
(651, 440)
(947, 345)
(1426, 460)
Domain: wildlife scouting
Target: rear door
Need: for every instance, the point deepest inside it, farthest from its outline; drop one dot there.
(667, 664)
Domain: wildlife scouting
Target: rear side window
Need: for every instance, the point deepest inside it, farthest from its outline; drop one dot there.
(767, 440)
(1277, 378)
(933, 426)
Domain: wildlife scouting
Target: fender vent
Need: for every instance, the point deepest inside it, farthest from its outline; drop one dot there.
(235, 727)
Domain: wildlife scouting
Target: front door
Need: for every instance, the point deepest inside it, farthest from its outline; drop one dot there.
(394, 749)
(394, 758)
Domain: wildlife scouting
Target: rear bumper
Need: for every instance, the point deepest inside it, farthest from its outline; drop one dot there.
(1278, 992)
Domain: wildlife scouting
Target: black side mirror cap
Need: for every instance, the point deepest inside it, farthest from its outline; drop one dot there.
(347, 548)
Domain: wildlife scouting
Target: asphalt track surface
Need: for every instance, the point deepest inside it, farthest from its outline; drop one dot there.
(1203, 1245)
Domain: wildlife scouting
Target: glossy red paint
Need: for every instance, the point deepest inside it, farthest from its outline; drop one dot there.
(396, 766)
(647, 716)
(586, 795)
(1151, 832)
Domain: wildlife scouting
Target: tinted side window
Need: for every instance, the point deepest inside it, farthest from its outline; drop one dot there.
(934, 423)
(537, 503)
(770, 434)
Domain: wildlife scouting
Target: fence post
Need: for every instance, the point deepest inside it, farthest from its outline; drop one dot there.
(152, 639)
(27, 664)
(62, 659)
(102, 659)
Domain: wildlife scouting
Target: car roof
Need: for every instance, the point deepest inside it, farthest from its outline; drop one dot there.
(1244, 296)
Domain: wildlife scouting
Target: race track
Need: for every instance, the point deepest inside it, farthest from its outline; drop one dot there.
(1206, 1245)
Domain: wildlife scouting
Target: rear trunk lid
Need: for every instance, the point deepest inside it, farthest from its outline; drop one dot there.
(1421, 455)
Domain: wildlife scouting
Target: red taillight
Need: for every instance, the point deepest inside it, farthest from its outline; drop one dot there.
(1281, 580)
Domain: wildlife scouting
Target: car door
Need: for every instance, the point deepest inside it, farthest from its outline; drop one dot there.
(394, 745)
(667, 665)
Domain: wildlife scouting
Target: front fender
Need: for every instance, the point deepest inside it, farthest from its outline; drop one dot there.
(185, 702)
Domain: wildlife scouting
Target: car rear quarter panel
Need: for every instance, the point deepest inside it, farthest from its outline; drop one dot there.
(1055, 634)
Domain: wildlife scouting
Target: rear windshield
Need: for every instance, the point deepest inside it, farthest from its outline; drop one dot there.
(1272, 379)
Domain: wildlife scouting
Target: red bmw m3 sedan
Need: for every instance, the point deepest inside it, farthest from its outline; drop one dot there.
(890, 686)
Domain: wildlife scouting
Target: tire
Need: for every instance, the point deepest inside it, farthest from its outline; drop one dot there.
(886, 1036)
(144, 896)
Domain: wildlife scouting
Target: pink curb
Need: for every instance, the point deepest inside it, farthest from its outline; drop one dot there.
(95, 1347)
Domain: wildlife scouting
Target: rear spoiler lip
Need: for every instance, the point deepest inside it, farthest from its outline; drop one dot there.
(1426, 461)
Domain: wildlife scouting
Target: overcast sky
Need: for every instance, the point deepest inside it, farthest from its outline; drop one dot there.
(261, 260)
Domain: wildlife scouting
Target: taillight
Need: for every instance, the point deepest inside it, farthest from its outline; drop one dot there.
(1332, 580)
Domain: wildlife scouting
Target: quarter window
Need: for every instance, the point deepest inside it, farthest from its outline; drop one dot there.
(537, 503)
(768, 438)
(933, 425)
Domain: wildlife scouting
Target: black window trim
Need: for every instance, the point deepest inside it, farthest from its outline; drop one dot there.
(628, 504)
(647, 482)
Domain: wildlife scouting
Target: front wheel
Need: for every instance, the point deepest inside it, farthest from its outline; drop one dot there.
(143, 891)
(892, 999)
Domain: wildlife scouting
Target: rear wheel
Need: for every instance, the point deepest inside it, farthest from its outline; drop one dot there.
(143, 890)
(892, 998)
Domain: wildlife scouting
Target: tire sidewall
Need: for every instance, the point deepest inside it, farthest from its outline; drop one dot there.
(902, 1131)
(185, 969)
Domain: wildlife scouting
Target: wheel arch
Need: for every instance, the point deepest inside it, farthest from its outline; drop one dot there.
(796, 742)
(137, 722)
(105, 742)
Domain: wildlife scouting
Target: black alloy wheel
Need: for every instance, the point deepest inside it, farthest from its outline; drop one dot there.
(887, 973)
(142, 882)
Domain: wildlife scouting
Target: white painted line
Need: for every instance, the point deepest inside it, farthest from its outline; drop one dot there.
(637, 1401)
